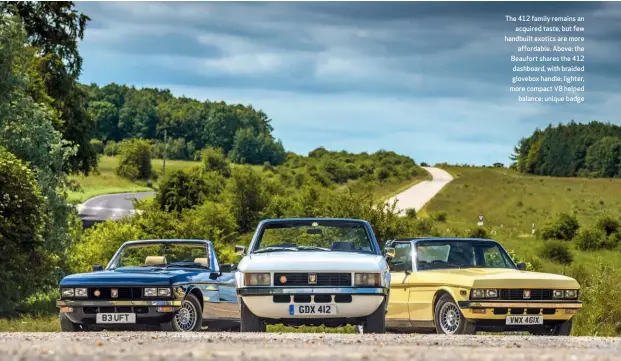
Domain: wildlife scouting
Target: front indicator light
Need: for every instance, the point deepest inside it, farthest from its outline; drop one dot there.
(368, 279)
(571, 311)
(257, 279)
(166, 309)
(67, 292)
(66, 309)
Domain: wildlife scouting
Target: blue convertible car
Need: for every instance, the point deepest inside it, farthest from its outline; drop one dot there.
(174, 285)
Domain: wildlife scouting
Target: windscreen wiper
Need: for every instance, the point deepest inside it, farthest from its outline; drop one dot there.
(186, 264)
(313, 248)
(276, 249)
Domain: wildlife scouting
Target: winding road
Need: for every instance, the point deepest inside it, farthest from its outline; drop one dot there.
(109, 206)
(421, 193)
(131, 346)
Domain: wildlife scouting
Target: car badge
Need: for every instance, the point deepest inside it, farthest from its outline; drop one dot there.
(526, 293)
(312, 278)
(114, 293)
(283, 279)
(97, 293)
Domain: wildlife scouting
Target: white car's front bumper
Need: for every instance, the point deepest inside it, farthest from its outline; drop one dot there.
(260, 301)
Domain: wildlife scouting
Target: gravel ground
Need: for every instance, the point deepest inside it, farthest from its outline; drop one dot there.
(158, 346)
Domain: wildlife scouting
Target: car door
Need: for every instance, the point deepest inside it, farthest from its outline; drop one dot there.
(400, 266)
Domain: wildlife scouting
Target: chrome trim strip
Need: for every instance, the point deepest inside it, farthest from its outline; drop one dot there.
(569, 304)
(93, 303)
(263, 291)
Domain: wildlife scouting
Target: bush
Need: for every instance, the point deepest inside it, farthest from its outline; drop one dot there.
(478, 232)
(246, 197)
(182, 190)
(213, 159)
(410, 213)
(608, 224)
(556, 251)
(111, 149)
(135, 160)
(563, 227)
(22, 220)
(440, 216)
(97, 146)
(590, 239)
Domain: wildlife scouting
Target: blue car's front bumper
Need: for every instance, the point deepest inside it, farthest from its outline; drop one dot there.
(148, 312)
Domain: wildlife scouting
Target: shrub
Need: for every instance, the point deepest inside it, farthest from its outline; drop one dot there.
(478, 232)
(556, 251)
(246, 197)
(410, 213)
(22, 220)
(608, 224)
(135, 160)
(97, 146)
(213, 159)
(111, 149)
(182, 190)
(613, 241)
(590, 239)
(563, 227)
(440, 216)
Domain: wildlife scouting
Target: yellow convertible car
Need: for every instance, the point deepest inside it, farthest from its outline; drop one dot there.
(462, 285)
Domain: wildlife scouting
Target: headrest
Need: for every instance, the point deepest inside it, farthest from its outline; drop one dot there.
(154, 260)
(203, 261)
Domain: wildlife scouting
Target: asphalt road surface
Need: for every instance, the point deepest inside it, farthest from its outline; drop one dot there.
(109, 206)
(421, 193)
(121, 346)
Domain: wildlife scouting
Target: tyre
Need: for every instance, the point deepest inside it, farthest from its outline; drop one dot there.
(376, 322)
(189, 317)
(449, 320)
(564, 329)
(66, 325)
(249, 321)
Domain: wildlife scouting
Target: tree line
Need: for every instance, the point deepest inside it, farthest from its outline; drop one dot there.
(571, 150)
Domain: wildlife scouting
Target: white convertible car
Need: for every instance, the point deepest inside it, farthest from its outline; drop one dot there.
(313, 271)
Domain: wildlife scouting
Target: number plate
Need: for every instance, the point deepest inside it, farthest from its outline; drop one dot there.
(525, 320)
(116, 318)
(312, 309)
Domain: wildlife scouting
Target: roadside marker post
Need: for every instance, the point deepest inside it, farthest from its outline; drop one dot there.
(480, 223)
(533, 232)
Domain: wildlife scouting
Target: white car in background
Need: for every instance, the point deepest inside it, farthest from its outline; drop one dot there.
(313, 271)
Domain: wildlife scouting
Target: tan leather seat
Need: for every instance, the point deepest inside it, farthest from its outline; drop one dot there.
(154, 260)
(203, 261)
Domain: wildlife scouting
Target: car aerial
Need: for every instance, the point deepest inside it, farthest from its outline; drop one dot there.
(463, 285)
(313, 271)
(174, 285)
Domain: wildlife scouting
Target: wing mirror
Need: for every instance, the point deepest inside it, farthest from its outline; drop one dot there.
(97, 267)
(240, 250)
(521, 266)
(389, 252)
(228, 268)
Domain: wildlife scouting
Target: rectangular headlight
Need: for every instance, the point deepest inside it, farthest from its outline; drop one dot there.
(67, 292)
(484, 293)
(558, 294)
(150, 292)
(571, 294)
(81, 292)
(257, 279)
(165, 292)
(368, 280)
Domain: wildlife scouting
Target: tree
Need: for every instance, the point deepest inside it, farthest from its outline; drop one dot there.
(54, 29)
(27, 130)
(135, 160)
(604, 158)
(246, 197)
(214, 160)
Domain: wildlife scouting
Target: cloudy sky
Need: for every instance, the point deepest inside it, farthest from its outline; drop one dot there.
(430, 80)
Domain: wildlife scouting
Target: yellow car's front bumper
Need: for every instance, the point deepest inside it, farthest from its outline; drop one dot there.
(499, 310)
